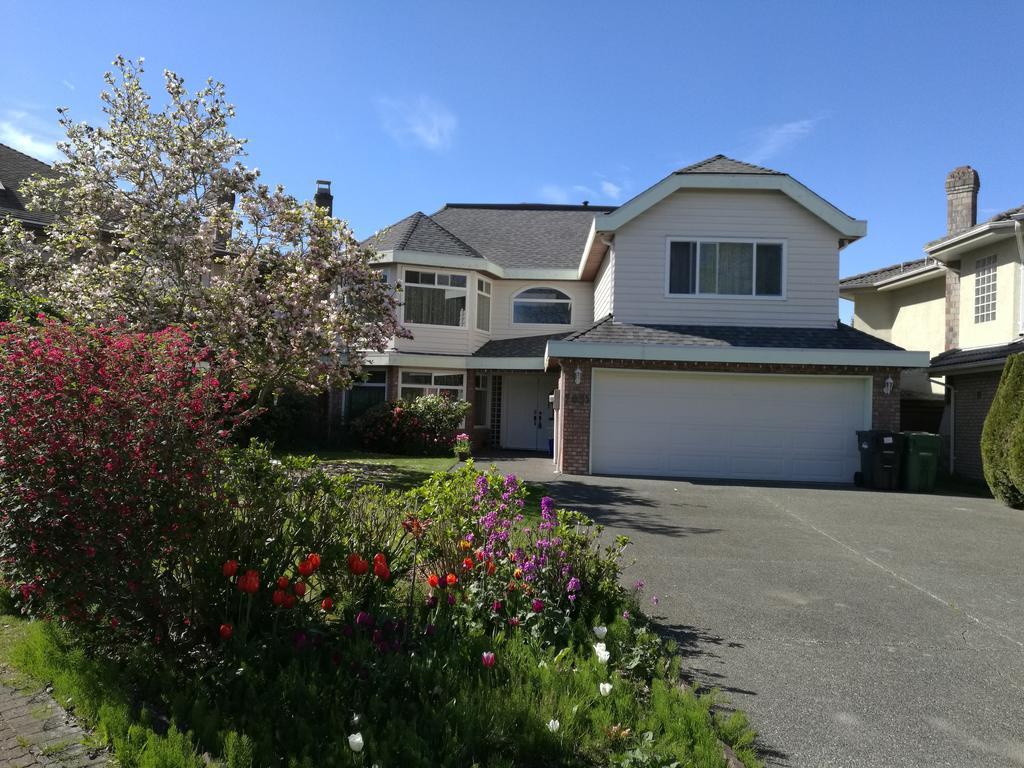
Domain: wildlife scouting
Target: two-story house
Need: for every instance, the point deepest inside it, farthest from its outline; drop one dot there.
(961, 302)
(691, 331)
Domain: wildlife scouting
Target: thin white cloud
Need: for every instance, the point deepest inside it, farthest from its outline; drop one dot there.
(771, 141)
(16, 134)
(605, 191)
(421, 121)
(68, 84)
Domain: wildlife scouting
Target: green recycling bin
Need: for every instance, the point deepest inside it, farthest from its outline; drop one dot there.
(921, 461)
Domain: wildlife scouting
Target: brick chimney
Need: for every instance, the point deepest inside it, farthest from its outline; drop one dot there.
(323, 197)
(962, 185)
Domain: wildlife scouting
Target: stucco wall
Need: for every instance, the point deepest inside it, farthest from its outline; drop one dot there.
(1004, 328)
(919, 324)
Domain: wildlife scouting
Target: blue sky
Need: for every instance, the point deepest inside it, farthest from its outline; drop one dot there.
(405, 106)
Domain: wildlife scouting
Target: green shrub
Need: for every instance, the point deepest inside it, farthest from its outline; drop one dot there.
(1002, 438)
(424, 426)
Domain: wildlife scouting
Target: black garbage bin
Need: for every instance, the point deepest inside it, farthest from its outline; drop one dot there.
(880, 453)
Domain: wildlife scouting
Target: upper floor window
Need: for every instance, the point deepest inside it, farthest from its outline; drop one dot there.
(435, 298)
(483, 305)
(542, 306)
(724, 268)
(985, 289)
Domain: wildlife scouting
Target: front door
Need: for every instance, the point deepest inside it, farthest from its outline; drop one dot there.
(526, 413)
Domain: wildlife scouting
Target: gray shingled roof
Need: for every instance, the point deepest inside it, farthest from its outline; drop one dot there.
(876, 276)
(420, 232)
(723, 164)
(15, 168)
(1005, 215)
(975, 358)
(840, 336)
(523, 346)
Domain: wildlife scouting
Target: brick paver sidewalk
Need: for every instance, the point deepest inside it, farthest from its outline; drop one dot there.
(36, 731)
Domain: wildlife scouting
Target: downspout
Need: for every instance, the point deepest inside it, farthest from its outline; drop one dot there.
(1020, 276)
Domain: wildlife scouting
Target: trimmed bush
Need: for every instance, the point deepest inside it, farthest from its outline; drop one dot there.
(424, 426)
(1002, 438)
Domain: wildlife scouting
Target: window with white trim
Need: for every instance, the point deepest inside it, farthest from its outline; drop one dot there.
(481, 400)
(724, 268)
(985, 289)
(483, 305)
(542, 306)
(435, 298)
(418, 383)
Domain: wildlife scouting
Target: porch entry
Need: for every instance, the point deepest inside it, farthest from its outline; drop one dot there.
(528, 419)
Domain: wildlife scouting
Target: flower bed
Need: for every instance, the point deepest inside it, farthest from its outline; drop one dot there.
(279, 615)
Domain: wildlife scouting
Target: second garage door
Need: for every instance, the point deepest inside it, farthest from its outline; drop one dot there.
(734, 426)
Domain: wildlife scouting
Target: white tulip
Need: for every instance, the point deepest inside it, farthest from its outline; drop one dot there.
(602, 652)
(553, 725)
(606, 688)
(600, 632)
(355, 742)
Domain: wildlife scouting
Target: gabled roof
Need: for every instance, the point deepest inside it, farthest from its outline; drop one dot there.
(15, 168)
(522, 346)
(889, 274)
(723, 164)
(420, 232)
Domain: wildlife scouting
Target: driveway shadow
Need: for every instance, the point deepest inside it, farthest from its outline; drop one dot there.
(616, 506)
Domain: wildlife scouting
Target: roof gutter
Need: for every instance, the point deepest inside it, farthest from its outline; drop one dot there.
(953, 246)
(892, 358)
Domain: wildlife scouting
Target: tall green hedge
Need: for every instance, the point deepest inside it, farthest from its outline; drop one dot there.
(1002, 439)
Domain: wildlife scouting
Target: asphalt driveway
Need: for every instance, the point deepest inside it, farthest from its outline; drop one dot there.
(855, 628)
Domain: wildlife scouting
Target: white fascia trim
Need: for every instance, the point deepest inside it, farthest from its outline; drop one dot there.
(591, 236)
(457, 362)
(866, 357)
(911, 278)
(989, 232)
(447, 261)
(824, 210)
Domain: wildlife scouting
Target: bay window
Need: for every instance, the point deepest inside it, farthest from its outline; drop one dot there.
(483, 305)
(435, 298)
(724, 268)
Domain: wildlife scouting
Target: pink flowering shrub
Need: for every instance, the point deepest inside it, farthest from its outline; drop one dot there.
(108, 442)
(424, 426)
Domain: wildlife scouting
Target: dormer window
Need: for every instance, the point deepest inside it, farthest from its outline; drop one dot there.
(435, 298)
(542, 306)
(725, 268)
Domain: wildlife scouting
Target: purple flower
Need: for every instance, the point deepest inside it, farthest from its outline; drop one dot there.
(638, 585)
(654, 600)
(573, 585)
(299, 640)
(430, 630)
(496, 606)
(431, 601)
(487, 659)
(363, 619)
(537, 605)
(451, 599)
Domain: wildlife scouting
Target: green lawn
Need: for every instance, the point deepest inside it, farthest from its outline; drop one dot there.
(398, 472)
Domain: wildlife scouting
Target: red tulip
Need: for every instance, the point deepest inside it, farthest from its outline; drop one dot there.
(434, 581)
(380, 567)
(314, 559)
(327, 604)
(306, 569)
(230, 568)
(491, 567)
(277, 598)
(282, 582)
(357, 566)
(468, 563)
(226, 630)
(249, 582)
(289, 601)
(300, 588)
(451, 579)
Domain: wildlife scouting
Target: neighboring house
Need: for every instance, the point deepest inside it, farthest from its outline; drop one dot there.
(691, 331)
(970, 326)
(906, 304)
(15, 168)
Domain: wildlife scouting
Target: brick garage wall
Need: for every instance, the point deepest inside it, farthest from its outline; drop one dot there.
(974, 393)
(574, 414)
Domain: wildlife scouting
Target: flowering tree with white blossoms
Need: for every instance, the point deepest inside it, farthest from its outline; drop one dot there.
(160, 223)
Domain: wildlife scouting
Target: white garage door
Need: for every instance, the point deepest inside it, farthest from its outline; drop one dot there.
(737, 426)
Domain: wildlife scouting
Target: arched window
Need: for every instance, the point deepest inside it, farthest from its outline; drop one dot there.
(541, 306)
